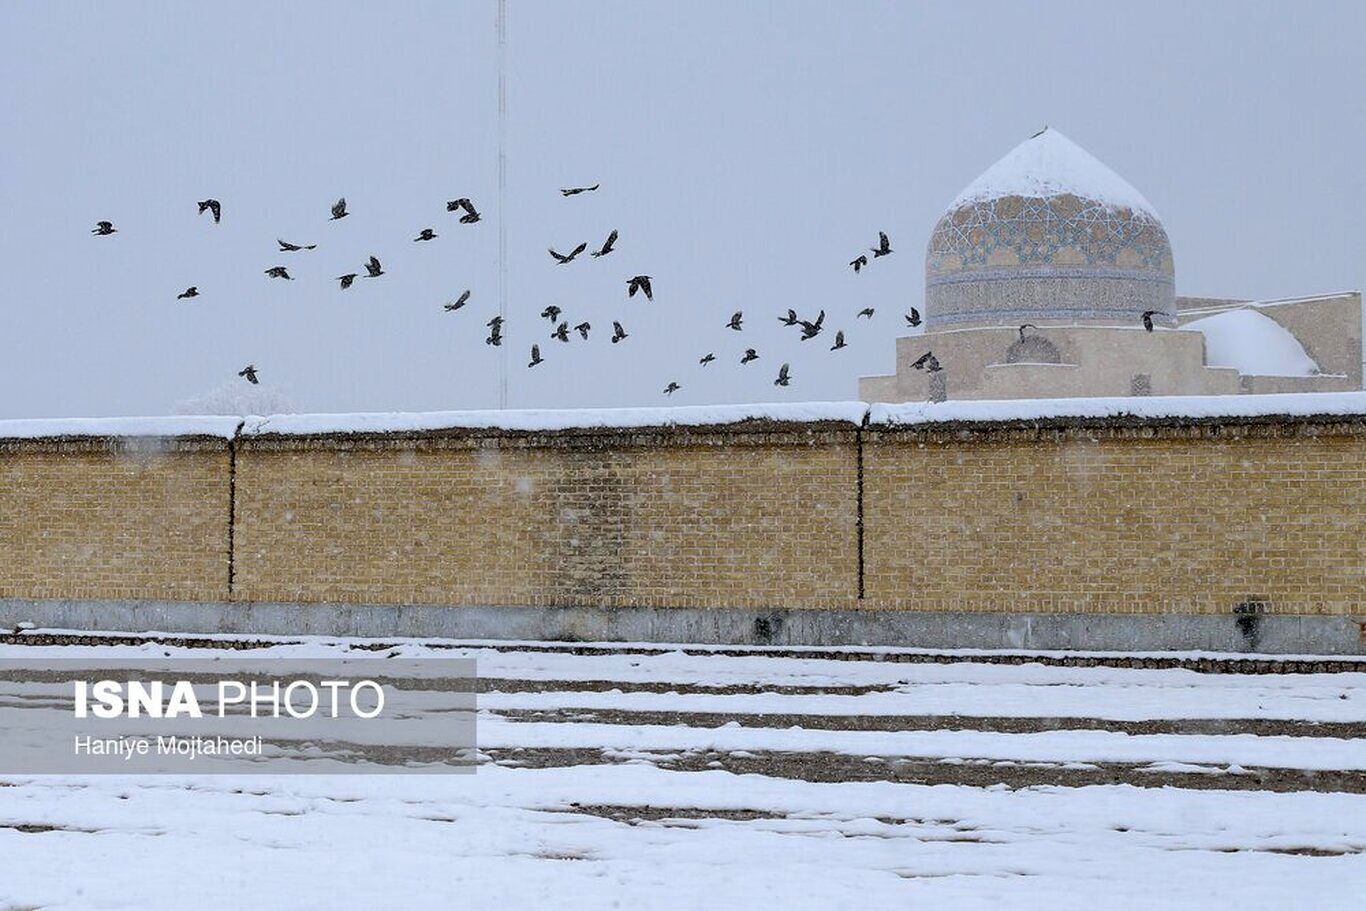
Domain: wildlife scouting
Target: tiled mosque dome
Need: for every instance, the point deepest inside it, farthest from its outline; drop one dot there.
(1048, 233)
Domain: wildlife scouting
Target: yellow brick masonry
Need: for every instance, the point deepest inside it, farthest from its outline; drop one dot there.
(1190, 520)
(663, 520)
(110, 519)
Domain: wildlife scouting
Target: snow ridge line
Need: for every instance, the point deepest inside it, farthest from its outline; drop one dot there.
(1299, 407)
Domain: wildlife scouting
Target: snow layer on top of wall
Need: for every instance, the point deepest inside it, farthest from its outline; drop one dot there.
(1050, 164)
(1302, 404)
(222, 427)
(534, 420)
(1297, 404)
(1252, 344)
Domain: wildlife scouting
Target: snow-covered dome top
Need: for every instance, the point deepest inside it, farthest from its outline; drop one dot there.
(1049, 233)
(1050, 164)
(1252, 343)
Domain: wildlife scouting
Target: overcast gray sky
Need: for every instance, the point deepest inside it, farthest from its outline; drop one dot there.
(746, 152)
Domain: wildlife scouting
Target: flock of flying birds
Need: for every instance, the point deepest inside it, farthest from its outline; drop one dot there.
(561, 332)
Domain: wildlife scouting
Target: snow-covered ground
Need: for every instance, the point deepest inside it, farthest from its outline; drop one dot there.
(704, 780)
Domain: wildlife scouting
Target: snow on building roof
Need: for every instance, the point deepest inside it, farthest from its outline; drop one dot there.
(1176, 407)
(1050, 164)
(1252, 343)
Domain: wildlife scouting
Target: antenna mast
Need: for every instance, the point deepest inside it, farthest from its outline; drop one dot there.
(501, 25)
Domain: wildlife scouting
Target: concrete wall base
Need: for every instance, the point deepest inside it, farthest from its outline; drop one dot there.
(1265, 634)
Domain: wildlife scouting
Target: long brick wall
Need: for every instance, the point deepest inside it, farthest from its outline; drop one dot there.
(1070, 515)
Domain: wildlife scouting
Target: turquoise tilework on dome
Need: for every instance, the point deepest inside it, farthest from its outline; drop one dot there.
(1012, 259)
(1062, 230)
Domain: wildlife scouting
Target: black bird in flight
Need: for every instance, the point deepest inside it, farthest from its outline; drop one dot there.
(561, 331)
(640, 283)
(735, 319)
(913, 318)
(249, 372)
(618, 333)
(750, 355)
(346, 280)
(458, 302)
(425, 234)
(535, 356)
(672, 388)
(927, 361)
(783, 379)
(278, 272)
(471, 214)
(551, 313)
(374, 268)
(809, 329)
(495, 332)
(287, 247)
(339, 209)
(211, 205)
(1024, 327)
(582, 329)
(192, 291)
(884, 246)
(790, 319)
(866, 311)
(706, 359)
(562, 258)
(104, 228)
(575, 191)
(607, 244)
(839, 341)
(859, 262)
(1148, 319)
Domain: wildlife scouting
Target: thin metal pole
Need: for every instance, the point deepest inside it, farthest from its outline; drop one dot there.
(502, 28)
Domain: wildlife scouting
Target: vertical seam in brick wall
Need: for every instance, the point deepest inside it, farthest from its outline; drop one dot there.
(232, 508)
(858, 500)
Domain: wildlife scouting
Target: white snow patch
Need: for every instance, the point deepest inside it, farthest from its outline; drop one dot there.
(179, 426)
(1252, 343)
(565, 419)
(1136, 699)
(1327, 754)
(1050, 164)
